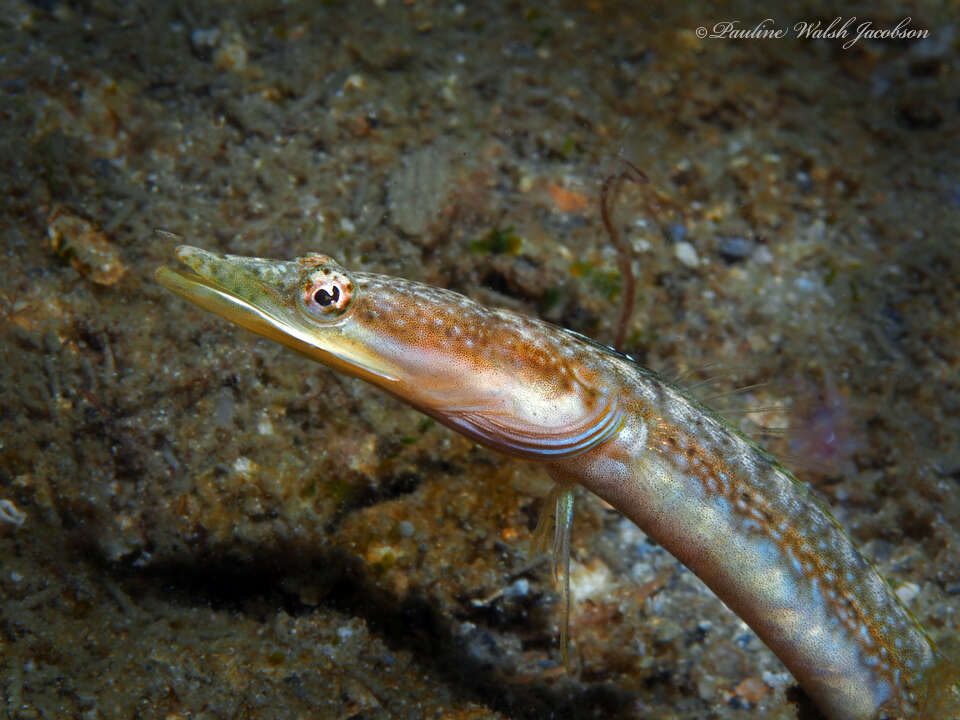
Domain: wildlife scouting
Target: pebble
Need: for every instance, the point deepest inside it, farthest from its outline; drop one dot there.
(737, 248)
(85, 246)
(686, 254)
(677, 231)
(518, 589)
(763, 256)
(907, 592)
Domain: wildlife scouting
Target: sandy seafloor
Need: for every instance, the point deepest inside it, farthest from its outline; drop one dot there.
(195, 523)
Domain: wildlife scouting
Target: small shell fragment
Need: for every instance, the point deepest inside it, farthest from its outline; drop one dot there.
(11, 513)
(85, 246)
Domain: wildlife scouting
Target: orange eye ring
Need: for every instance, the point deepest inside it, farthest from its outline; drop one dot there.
(327, 293)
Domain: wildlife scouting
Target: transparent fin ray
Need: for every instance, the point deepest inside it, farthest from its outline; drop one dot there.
(561, 555)
(557, 517)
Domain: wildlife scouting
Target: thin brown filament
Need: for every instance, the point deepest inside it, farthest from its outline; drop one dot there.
(624, 258)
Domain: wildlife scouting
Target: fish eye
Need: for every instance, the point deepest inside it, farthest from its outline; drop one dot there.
(327, 293)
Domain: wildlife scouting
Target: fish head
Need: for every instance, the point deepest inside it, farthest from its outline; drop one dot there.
(509, 381)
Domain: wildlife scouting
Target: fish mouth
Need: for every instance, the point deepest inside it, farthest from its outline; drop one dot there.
(191, 283)
(228, 286)
(202, 284)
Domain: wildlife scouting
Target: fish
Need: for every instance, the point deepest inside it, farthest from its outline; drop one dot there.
(759, 538)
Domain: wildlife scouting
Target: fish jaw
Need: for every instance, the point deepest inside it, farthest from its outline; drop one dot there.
(269, 298)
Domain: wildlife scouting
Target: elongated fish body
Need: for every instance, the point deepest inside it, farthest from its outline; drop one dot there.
(725, 508)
